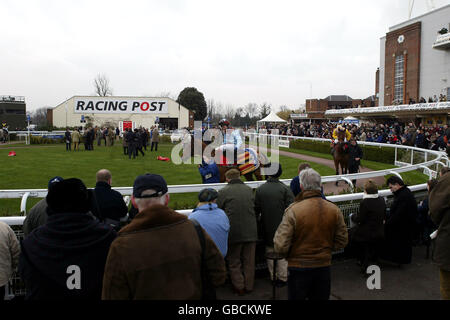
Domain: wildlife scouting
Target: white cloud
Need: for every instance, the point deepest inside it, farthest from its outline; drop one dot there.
(234, 51)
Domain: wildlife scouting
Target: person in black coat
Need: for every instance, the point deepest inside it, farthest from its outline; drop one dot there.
(68, 138)
(138, 142)
(107, 203)
(355, 156)
(65, 258)
(130, 137)
(400, 223)
(368, 234)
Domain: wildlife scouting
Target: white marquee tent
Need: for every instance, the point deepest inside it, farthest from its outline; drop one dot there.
(272, 117)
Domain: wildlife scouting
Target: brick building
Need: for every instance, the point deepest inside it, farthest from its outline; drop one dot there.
(415, 60)
(315, 108)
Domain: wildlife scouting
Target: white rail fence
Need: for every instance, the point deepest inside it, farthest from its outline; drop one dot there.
(437, 159)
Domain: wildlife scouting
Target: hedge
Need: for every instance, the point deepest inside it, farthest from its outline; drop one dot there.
(41, 140)
(384, 155)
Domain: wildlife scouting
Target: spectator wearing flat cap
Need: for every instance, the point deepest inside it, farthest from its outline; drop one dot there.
(271, 200)
(65, 258)
(238, 201)
(158, 256)
(37, 216)
(212, 219)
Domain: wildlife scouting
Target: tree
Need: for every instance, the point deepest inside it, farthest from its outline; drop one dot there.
(264, 110)
(284, 113)
(194, 100)
(251, 109)
(39, 117)
(102, 87)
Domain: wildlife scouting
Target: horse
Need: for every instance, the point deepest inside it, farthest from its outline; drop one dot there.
(340, 156)
(247, 169)
(4, 135)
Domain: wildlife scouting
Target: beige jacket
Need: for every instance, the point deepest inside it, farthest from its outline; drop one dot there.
(311, 229)
(9, 253)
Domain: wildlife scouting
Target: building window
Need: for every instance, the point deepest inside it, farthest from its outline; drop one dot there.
(399, 79)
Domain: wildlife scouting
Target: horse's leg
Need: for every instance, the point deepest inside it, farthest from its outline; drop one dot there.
(222, 171)
(249, 176)
(336, 165)
(258, 175)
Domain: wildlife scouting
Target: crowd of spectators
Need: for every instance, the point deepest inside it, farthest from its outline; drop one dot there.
(421, 136)
(81, 244)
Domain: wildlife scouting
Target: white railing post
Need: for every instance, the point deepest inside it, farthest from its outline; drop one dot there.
(23, 203)
(412, 156)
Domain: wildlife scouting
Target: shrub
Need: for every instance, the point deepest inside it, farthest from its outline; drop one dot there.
(41, 140)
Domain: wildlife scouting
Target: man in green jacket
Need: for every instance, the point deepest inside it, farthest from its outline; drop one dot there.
(237, 200)
(271, 200)
(440, 214)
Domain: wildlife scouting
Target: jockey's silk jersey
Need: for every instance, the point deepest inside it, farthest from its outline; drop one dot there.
(233, 138)
(348, 135)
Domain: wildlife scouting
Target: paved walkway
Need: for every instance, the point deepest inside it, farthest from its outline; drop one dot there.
(416, 281)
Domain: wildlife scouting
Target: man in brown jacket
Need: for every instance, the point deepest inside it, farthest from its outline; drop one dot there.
(155, 139)
(158, 255)
(311, 229)
(440, 214)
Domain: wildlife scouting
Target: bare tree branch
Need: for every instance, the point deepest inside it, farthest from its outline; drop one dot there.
(102, 87)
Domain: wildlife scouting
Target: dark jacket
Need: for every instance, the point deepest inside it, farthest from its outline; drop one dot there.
(36, 217)
(67, 239)
(209, 172)
(440, 214)
(370, 220)
(354, 152)
(108, 203)
(400, 226)
(158, 256)
(130, 137)
(271, 200)
(238, 201)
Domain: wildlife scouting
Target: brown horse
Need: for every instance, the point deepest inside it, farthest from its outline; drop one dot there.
(249, 174)
(340, 156)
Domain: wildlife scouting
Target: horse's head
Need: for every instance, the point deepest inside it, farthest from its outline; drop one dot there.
(341, 135)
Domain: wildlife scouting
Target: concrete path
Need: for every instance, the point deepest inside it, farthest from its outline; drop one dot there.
(416, 281)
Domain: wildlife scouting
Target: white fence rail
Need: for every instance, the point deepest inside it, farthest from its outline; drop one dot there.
(440, 159)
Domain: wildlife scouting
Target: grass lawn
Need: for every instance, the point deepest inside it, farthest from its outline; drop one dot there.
(34, 166)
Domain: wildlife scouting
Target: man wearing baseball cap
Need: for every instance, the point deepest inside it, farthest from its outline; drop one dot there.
(158, 256)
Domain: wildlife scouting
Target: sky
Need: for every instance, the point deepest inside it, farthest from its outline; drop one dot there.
(234, 52)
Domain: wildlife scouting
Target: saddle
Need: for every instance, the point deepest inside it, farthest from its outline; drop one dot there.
(245, 162)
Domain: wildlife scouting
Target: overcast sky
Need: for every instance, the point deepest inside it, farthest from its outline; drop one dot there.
(235, 52)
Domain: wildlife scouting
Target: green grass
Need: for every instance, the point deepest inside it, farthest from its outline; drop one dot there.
(34, 166)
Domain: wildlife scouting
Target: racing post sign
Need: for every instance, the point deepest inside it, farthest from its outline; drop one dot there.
(105, 105)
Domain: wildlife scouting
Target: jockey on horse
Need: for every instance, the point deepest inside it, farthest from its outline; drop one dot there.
(232, 142)
(348, 135)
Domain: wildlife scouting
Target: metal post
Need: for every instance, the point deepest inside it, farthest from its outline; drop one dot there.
(412, 156)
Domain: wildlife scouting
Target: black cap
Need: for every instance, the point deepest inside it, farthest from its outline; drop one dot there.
(54, 180)
(207, 195)
(70, 195)
(149, 181)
